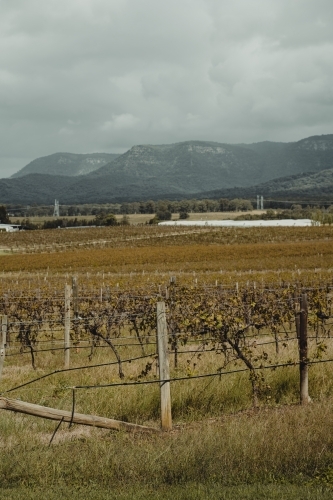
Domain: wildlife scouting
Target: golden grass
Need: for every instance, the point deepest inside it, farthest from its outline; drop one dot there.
(270, 446)
(192, 398)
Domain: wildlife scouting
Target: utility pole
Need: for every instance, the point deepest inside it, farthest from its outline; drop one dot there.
(56, 212)
(261, 203)
(258, 204)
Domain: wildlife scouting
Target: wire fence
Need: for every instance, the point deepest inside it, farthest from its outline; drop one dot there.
(239, 326)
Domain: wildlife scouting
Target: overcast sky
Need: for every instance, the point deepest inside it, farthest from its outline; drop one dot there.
(103, 75)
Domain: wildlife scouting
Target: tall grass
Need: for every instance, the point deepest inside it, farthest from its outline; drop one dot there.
(291, 444)
(192, 399)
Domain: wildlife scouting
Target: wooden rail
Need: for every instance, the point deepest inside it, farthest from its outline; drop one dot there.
(76, 418)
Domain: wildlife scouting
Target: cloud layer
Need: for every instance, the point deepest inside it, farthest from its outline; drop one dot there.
(103, 75)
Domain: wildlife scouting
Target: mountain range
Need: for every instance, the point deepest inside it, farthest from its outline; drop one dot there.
(182, 170)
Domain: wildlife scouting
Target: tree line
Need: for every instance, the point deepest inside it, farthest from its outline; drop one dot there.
(140, 207)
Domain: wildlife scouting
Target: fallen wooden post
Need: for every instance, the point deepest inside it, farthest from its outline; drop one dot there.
(77, 418)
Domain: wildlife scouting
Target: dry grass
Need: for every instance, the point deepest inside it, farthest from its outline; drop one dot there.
(290, 444)
(192, 399)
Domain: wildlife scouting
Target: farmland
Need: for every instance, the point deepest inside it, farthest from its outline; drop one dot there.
(235, 273)
(138, 219)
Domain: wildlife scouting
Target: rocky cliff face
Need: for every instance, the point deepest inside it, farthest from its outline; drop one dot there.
(316, 143)
(190, 166)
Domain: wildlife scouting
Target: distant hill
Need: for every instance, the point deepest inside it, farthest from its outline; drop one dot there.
(196, 166)
(33, 188)
(307, 155)
(43, 189)
(187, 169)
(314, 186)
(66, 164)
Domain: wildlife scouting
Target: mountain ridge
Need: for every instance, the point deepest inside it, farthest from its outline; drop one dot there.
(69, 164)
(180, 170)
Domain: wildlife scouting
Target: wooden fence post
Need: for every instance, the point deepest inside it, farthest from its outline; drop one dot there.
(67, 324)
(75, 297)
(3, 338)
(5, 328)
(303, 351)
(163, 360)
(297, 314)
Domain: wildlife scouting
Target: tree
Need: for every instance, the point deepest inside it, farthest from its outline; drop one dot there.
(184, 206)
(150, 207)
(224, 204)
(212, 205)
(105, 220)
(125, 221)
(201, 206)
(296, 207)
(72, 211)
(162, 206)
(240, 204)
(4, 219)
(163, 215)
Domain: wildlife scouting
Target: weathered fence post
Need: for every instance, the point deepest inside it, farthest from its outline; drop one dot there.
(67, 324)
(3, 338)
(297, 314)
(75, 297)
(303, 351)
(174, 343)
(163, 360)
(4, 328)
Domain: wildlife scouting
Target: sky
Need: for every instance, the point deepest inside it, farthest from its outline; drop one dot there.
(85, 76)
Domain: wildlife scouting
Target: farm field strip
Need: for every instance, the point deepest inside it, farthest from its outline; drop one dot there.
(36, 241)
(100, 243)
(197, 257)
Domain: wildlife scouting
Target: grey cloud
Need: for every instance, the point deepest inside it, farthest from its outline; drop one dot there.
(103, 75)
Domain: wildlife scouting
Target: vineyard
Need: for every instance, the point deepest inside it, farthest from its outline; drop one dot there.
(212, 330)
(82, 335)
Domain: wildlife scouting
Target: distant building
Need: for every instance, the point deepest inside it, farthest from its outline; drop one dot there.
(243, 223)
